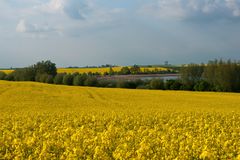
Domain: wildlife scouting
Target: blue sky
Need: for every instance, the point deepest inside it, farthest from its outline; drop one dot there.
(95, 32)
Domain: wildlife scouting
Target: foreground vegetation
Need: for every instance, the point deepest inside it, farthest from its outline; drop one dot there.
(41, 121)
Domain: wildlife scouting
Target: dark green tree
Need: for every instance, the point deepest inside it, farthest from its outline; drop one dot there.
(135, 69)
(24, 74)
(111, 71)
(125, 71)
(49, 79)
(202, 86)
(191, 74)
(58, 79)
(45, 67)
(157, 84)
(223, 75)
(91, 81)
(9, 77)
(2, 75)
(68, 79)
(79, 80)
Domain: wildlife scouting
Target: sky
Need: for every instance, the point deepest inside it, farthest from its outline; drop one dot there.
(122, 32)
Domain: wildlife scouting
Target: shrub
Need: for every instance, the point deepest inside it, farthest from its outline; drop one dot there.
(58, 79)
(79, 80)
(9, 77)
(45, 67)
(125, 71)
(68, 79)
(202, 86)
(156, 84)
(126, 84)
(91, 81)
(24, 74)
(2, 75)
(49, 79)
(176, 85)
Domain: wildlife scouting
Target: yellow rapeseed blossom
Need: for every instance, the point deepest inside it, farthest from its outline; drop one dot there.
(96, 70)
(41, 121)
(105, 69)
(7, 71)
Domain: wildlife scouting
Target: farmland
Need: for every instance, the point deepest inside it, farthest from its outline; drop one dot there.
(87, 70)
(7, 71)
(63, 122)
(101, 70)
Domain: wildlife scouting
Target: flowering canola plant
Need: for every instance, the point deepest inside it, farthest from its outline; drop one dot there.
(96, 70)
(41, 121)
(7, 71)
(105, 70)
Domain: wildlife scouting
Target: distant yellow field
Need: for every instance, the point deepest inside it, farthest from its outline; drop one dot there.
(103, 70)
(95, 70)
(41, 121)
(7, 71)
(87, 70)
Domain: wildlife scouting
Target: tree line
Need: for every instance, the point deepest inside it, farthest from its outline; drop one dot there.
(135, 69)
(217, 75)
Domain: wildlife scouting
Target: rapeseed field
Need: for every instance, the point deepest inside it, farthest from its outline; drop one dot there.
(96, 70)
(105, 70)
(7, 71)
(41, 121)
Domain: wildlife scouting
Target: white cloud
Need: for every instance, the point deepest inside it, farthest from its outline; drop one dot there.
(164, 9)
(24, 27)
(55, 5)
(50, 7)
(64, 17)
(74, 9)
(184, 9)
(36, 30)
(21, 26)
(234, 6)
(73, 13)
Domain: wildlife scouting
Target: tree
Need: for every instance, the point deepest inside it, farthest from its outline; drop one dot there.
(76, 80)
(111, 71)
(125, 71)
(45, 67)
(156, 84)
(174, 85)
(106, 83)
(24, 74)
(2, 75)
(9, 77)
(36, 72)
(68, 79)
(79, 80)
(223, 75)
(126, 84)
(91, 81)
(49, 79)
(191, 74)
(202, 86)
(135, 69)
(43, 78)
(58, 79)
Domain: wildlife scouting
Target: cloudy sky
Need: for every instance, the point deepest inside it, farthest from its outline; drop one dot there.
(124, 32)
